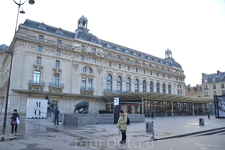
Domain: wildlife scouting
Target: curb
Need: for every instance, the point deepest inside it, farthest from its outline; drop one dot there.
(189, 134)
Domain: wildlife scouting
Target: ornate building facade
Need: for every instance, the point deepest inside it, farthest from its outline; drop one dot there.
(70, 67)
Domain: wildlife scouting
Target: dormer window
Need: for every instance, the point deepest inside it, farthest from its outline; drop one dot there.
(41, 37)
(59, 41)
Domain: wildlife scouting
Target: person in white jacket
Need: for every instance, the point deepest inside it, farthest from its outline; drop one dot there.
(123, 128)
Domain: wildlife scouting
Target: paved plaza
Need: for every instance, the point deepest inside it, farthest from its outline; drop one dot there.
(170, 133)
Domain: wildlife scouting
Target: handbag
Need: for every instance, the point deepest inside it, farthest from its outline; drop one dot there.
(13, 122)
(17, 120)
(118, 125)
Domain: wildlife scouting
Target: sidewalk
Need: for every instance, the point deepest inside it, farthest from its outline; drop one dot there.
(41, 134)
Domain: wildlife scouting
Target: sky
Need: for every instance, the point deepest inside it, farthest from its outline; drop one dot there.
(194, 30)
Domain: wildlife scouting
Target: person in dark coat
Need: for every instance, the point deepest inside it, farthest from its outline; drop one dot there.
(13, 121)
(208, 113)
(56, 112)
(153, 115)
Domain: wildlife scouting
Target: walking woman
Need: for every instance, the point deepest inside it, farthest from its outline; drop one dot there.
(13, 121)
(123, 129)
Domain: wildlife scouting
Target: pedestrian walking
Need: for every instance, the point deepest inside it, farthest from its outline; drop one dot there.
(123, 126)
(208, 113)
(14, 118)
(56, 112)
(153, 115)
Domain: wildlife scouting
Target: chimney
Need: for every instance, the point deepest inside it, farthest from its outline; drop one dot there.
(218, 72)
(203, 74)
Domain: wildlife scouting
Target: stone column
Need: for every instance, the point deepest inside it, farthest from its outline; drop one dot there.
(142, 100)
(193, 108)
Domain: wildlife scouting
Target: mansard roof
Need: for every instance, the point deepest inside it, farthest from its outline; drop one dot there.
(214, 75)
(83, 34)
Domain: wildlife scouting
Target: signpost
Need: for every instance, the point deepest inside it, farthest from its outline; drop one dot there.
(117, 107)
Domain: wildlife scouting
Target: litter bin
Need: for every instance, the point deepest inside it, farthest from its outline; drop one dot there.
(201, 121)
(149, 126)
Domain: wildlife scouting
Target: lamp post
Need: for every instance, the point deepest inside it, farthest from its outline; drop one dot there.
(10, 69)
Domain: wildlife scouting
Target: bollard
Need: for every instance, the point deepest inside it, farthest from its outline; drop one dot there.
(153, 134)
(201, 121)
(150, 128)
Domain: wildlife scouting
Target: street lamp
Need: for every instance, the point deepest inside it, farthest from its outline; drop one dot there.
(10, 69)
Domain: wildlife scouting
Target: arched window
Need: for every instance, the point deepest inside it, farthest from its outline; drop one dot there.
(222, 85)
(164, 88)
(85, 69)
(214, 86)
(169, 89)
(144, 86)
(136, 85)
(158, 88)
(119, 84)
(89, 70)
(128, 84)
(151, 87)
(109, 83)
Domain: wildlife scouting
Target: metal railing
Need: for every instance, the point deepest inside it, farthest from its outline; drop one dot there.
(36, 82)
(59, 85)
(112, 91)
(87, 88)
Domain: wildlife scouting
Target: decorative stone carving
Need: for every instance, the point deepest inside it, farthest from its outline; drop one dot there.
(75, 66)
(99, 70)
(57, 70)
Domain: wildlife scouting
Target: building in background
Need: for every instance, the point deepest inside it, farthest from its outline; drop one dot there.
(70, 67)
(194, 91)
(213, 84)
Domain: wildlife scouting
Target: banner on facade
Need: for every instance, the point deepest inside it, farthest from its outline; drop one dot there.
(219, 102)
(37, 108)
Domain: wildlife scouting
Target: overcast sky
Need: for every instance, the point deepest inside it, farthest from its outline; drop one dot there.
(194, 30)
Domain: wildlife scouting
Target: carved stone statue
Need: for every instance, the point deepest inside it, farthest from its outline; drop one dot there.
(82, 105)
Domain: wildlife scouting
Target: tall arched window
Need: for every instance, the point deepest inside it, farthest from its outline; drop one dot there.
(136, 85)
(158, 88)
(119, 84)
(164, 88)
(128, 84)
(85, 69)
(144, 86)
(89, 70)
(169, 89)
(109, 83)
(151, 87)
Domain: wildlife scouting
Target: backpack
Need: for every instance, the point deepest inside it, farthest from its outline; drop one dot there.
(128, 121)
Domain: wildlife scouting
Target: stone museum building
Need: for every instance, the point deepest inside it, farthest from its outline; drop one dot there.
(71, 67)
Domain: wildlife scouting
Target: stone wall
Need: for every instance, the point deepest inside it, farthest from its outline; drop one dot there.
(88, 119)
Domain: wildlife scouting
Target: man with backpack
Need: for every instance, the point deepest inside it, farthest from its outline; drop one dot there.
(123, 126)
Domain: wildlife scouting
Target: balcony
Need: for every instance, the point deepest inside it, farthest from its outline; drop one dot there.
(206, 95)
(55, 87)
(36, 85)
(109, 92)
(86, 90)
